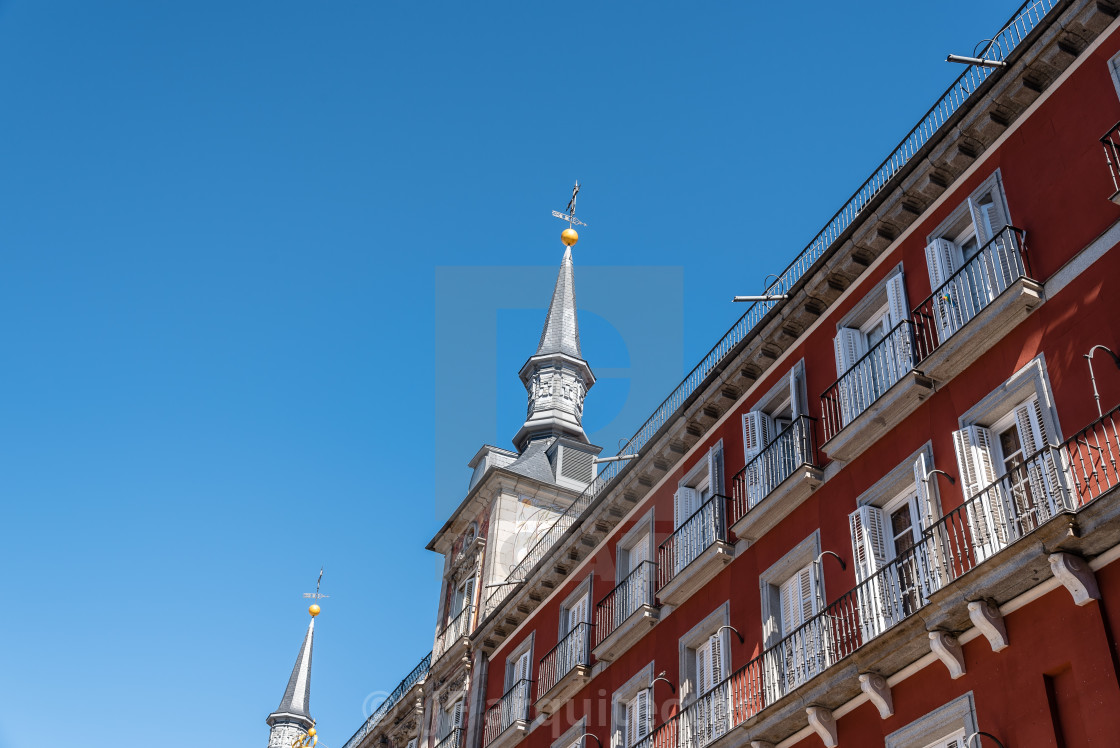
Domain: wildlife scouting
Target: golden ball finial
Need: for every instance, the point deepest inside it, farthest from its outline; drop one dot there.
(314, 610)
(311, 732)
(569, 236)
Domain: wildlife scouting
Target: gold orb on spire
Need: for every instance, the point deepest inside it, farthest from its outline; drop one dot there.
(569, 236)
(314, 610)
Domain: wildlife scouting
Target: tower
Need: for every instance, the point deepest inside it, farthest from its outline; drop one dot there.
(292, 719)
(557, 377)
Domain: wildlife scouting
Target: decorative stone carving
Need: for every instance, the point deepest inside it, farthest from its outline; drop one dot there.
(1076, 576)
(761, 744)
(879, 692)
(986, 617)
(824, 724)
(949, 651)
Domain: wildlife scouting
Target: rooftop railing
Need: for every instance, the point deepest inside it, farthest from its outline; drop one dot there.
(1025, 19)
(1055, 479)
(418, 673)
(796, 445)
(970, 289)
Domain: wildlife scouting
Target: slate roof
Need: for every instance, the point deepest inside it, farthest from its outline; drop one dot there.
(561, 328)
(297, 696)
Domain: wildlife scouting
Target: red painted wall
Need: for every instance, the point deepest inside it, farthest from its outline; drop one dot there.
(1056, 185)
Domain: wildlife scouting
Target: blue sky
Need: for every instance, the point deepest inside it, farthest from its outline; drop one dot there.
(235, 237)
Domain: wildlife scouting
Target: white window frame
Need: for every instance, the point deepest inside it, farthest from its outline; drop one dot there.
(771, 581)
(512, 658)
(759, 427)
(942, 724)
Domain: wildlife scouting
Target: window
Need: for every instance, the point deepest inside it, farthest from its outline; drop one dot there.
(449, 720)
(575, 634)
(636, 575)
(873, 348)
(632, 710)
(775, 441)
(697, 518)
(895, 571)
(705, 688)
(462, 598)
(792, 595)
(971, 259)
(944, 727)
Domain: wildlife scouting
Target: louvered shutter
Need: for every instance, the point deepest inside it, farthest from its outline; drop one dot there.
(898, 309)
(523, 668)
(987, 516)
(931, 565)
(980, 220)
(468, 594)
(942, 260)
(412, 743)
(457, 715)
(869, 549)
(631, 730)
(643, 715)
(715, 470)
(703, 667)
(685, 504)
(686, 543)
(849, 345)
(758, 431)
(795, 393)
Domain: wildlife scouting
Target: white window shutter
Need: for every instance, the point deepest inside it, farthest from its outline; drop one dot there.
(927, 505)
(715, 470)
(983, 219)
(523, 669)
(850, 344)
(986, 515)
(457, 715)
(703, 667)
(718, 669)
(795, 393)
(412, 743)
(941, 261)
(644, 715)
(787, 596)
(758, 430)
(807, 591)
(869, 543)
(638, 553)
(685, 504)
(897, 305)
(630, 731)
(468, 593)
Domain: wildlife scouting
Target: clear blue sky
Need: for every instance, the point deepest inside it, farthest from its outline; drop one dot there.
(223, 227)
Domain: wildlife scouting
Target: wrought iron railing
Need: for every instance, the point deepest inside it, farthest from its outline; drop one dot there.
(573, 650)
(795, 446)
(697, 533)
(970, 289)
(1111, 143)
(1025, 19)
(868, 379)
(1055, 479)
(453, 631)
(636, 590)
(512, 707)
(418, 674)
(663, 736)
(451, 739)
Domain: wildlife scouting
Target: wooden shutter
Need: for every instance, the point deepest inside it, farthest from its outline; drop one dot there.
(850, 345)
(643, 716)
(980, 220)
(703, 667)
(869, 543)
(1044, 471)
(718, 671)
(524, 667)
(467, 594)
(457, 715)
(685, 503)
(795, 393)
(758, 430)
(412, 743)
(630, 730)
(986, 515)
(797, 597)
(897, 305)
(926, 503)
(715, 471)
(942, 260)
(638, 553)
(577, 614)
(898, 310)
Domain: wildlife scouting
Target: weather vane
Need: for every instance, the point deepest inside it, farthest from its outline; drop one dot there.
(316, 595)
(569, 235)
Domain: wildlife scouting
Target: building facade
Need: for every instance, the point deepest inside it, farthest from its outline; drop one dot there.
(881, 512)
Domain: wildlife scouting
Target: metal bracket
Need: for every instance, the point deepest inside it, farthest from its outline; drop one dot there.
(1074, 573)
(824, 724)
(949, 651)
(986, 617)
(877, 689)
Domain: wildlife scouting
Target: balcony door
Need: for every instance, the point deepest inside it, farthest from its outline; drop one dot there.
(712, 708)
(637, 579)
(803, 650)
(638, 718)
(574, 632)
(697, 521)
(449, 720)
(772, 446)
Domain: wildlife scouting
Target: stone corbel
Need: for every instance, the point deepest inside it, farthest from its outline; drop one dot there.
(824, 724)
(761, 744)
(1076, 576)
(949, 651)
(986, 617)
(877, 690)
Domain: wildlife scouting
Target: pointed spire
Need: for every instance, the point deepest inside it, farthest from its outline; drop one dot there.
(296, 704)
(561, 327)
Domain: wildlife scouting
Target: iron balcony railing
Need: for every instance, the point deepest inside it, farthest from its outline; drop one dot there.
(1022, 23)
(450, 740)
(977, 283)
(1111, 143)
(453, 631)
(704, 528)
(571, 651)
(663, 736)
(1055, 479)
(869, 378)
(512, 707)
(418, 674)
(636, 590)
(795, 446)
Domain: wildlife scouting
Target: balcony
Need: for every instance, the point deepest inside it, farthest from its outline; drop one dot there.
(565, 669)
(874, 627)
(694, 553)
(776, 481)
(450, 740)
(1111, 143)
(626, 613)
(874, 395)
(506, 722)
(412, 680)
(977, 306)
(455, 632)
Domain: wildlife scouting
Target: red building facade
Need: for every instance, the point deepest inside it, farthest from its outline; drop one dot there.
(883, 511)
